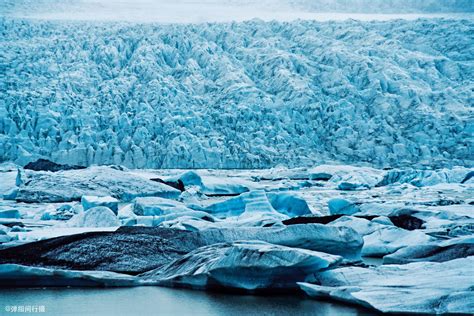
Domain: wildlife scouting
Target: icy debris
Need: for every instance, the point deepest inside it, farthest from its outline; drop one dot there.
(14, 275)
(423, 287)
(244, 265)
(150, 206)
(62, 213)
(99, 216)
(89, 201)
(71, 185)
(239, 95)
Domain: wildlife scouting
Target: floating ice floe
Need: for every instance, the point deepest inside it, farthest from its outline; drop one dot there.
(243, 265)
(14, 275)
(422, 287)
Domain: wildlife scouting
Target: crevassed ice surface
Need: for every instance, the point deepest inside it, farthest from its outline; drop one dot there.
(237, 95)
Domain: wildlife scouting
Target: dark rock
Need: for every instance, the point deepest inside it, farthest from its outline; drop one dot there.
(312, 219)
(468, 177)
(179, 185)
(46, 165)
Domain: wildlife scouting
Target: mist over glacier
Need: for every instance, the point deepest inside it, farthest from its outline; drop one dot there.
(198, 11)
(237, 95)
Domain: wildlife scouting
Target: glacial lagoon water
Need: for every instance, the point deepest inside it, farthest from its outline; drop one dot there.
(165, 301)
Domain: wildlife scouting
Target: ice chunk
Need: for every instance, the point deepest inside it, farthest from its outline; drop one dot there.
(254, 201)
(99, 216)
(210, 185)
(342, 207)
(289, 204)
(146, 206)
(389, 239)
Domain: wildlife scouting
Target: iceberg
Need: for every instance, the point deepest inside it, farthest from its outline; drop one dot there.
(72, 185)
(246, 265)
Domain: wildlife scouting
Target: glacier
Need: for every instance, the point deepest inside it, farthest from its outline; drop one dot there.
(238, 95)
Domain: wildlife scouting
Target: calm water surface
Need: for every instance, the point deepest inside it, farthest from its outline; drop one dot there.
(165, 301)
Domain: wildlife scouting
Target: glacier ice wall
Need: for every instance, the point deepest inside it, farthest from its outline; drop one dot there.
(237, 95)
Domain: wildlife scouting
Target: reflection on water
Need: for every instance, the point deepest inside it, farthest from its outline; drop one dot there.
(165, 301)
